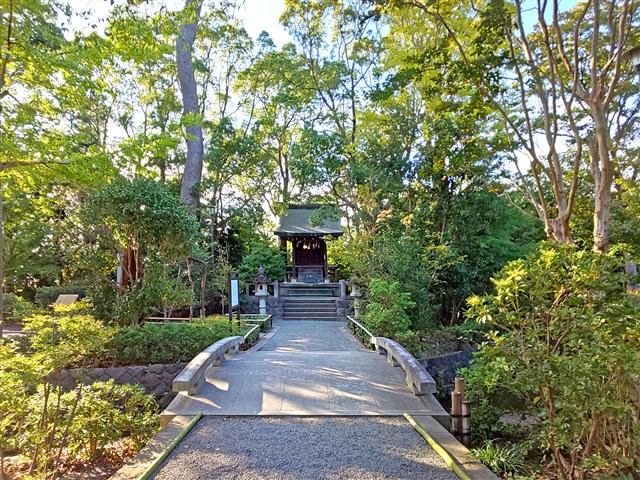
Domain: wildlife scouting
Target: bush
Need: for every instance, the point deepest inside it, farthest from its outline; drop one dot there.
(107, 413)
(45, 296)
(102, 420)
(567, 354)
(53, 428)
(68, 338)
(16, 309)
(265, 256)
(453, 338)
(131, 306)
(503, 460)
(386, 311)
(170, 343)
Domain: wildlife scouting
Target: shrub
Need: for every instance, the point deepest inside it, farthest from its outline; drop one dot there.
(16, 309)
(568, 355)
(67, 339)
(265, 256)
(170, 343)
(45, 296)
(40, 421)
(453, 338)
(386, 311)
(128, 307)
(106, 413)
(102, 420)
(503, 460)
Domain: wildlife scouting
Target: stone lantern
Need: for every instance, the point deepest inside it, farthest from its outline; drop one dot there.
(262, 291)
(356, 293)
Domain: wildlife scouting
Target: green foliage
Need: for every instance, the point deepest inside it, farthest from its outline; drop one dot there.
(386, 311)
(265, 256)
(49, 426)
(151, 229)
(453, 338)
(170, 343)
(566, 352)
(16, 309)
(143, 213)
(107, 413)
(102, 420)
(505, 460)
(45, 296)
(66, 338)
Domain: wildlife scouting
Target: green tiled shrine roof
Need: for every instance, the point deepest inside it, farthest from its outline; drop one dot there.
(295, 223)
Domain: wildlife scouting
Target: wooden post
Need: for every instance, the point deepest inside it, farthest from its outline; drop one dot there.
(456, 426)
(466, 423)
(459, 387)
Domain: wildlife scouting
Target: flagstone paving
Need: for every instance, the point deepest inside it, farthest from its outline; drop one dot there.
(306, 368)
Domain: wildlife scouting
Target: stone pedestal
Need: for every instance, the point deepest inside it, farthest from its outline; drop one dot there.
(263, 306)
(356, 297)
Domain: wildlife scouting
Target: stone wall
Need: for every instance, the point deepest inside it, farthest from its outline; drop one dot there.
(443, 369)
(155, 379)
(275, 306)
(344, 308)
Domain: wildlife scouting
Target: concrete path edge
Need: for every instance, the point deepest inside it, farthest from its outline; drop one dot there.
(471, 465)
(136, 467)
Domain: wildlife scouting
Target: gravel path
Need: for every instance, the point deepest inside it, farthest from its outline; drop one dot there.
(303, 448)
(311, 336)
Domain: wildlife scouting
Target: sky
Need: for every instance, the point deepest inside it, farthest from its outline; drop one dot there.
(256, 15)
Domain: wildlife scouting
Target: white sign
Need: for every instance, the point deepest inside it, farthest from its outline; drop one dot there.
(235, 292)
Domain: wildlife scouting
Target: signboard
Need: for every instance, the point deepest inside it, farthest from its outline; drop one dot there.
(234, 288)
(234, 296)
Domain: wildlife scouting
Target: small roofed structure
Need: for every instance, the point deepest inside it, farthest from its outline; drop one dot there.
(308, 247)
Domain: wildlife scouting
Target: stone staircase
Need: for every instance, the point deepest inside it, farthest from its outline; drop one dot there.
(310, 302)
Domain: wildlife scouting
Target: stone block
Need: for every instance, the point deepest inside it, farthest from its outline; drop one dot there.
(115, 373)
(128, 378)
(150, 381)
(156, 369)
(68, 384)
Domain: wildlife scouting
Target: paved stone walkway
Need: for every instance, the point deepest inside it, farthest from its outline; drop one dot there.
(308, 402)
(306, 368)
(309, 336)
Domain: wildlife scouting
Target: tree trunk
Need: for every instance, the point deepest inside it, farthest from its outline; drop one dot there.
(189, 192)
(1, 263)
(602, 170)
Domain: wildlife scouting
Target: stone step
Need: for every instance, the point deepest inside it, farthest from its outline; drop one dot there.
(309, 315)
(322, 313)
(310, 293)
(310, 319)
(301, 299)
(310, 308)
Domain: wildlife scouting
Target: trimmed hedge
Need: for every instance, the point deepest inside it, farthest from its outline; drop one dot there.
(166, 343)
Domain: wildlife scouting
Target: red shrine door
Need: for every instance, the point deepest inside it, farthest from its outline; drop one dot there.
(309, 256)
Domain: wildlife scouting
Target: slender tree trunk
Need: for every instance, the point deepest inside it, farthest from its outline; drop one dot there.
(189, 192)
(1, 262)
(602, 170)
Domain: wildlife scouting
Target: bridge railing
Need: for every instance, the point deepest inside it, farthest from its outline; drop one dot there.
(360, 331)
(418, 379)
(193, 375)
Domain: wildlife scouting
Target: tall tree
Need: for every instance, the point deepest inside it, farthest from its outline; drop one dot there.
(567, 71)
(191, 114)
